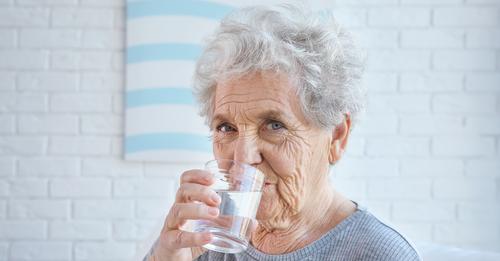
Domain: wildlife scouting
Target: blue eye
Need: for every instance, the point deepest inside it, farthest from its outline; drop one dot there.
(275, 125)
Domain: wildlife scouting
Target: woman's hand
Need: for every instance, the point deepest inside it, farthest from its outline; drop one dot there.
(194, 200)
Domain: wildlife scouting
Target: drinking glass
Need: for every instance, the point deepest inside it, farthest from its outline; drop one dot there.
(239, 186)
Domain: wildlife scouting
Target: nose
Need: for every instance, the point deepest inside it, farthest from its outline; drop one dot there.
(247, 150)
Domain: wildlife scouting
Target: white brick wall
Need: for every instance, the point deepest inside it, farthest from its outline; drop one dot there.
(426, 156)
(83, 230)
(39, 208)
(39, 250)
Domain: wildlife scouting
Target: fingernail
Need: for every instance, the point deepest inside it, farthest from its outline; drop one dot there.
(213, 211)
(215, 198)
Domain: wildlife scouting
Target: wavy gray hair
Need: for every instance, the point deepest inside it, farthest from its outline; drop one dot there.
(318, 55)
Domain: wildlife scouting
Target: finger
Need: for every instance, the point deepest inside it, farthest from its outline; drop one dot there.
(189, 192)
(197, 176)
(182, 211)
(176, 239)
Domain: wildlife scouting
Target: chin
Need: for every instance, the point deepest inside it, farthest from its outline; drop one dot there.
(267, 209)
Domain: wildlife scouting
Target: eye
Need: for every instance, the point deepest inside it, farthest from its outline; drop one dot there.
(225, 127)
(274, 125)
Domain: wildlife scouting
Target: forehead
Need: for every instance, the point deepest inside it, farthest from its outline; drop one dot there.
(257, 93)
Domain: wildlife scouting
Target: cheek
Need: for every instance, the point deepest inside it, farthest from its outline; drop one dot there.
(290, 162)
(269, 205)
(289, 158)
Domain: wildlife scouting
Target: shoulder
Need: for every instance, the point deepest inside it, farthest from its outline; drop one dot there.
(376, 240)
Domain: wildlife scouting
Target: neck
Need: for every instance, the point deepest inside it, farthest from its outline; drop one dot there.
(319, 215)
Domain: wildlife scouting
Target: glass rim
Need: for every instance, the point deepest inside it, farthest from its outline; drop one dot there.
(255, 174)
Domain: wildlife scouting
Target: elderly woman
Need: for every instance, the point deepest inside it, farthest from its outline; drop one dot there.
(279, 89)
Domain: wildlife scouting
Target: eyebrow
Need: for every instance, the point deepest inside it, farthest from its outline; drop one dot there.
(270, 114)
(273, 114)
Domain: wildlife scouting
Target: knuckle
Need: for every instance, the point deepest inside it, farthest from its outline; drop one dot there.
(176, 211)
(179, 239)
(181, 192)
(168, 242)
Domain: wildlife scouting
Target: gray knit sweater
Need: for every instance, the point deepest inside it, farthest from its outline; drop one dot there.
(361, 236)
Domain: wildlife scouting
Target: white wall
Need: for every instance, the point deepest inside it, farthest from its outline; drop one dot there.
(426, 157)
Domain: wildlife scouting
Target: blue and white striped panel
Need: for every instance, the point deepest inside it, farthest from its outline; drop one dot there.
(163, 42)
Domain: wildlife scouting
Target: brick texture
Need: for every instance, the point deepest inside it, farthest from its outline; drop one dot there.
(425, 156)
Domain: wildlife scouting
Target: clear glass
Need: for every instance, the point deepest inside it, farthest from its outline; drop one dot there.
(240, 187)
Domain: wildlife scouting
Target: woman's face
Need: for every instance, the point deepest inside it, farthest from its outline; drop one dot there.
(257, 120)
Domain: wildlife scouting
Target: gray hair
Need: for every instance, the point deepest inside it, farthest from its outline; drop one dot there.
(317, 54)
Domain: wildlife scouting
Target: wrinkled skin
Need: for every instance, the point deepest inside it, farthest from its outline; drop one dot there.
(258, 120)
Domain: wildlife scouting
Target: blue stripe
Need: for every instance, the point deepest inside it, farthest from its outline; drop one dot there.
(186, 7)
(167, 141)
(155, 96)
(165, 51)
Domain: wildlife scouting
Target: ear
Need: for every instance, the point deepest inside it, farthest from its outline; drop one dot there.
(340, 136)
